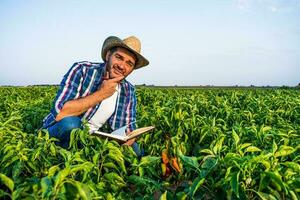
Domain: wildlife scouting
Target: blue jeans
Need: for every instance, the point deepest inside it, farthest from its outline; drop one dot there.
(62, 129)
(138, 151)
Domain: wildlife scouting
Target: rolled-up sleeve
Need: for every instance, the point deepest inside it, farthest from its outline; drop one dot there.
(69, 87)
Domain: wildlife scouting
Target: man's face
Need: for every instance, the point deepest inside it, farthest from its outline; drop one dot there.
(120, 63)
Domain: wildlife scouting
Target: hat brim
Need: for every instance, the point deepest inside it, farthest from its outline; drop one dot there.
(114, 41)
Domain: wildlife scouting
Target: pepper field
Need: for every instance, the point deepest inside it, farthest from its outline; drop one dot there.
(207, 144)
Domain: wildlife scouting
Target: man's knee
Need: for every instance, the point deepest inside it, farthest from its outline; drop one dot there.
(62, 129)
(67, 124)
(138, 151)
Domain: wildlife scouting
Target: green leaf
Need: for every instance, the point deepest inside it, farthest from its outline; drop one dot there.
(228, 171)
(252, 149)
(52, 149)
(86, 166)
(164, 196)
(115, 179)
(82, 190)
(295, 184)
(17, 169)
(118, 157)
(96, 158)
(235, 137)
(110, 165)
(46, 184)
(59, 178)
(149, 160)
(65, 154)
(276, 180)
(264, 181)
(109, 196)
(141, 171)
(196, 185)
(142, 181)
(230, 157)
(293, 165)
(274, 147)
(218, 146)
(265, 163)
(265, 196)
(190, 162)
(11, 160)
(234, 183)
(82, 136)
(36, 153)
(208, 165)
(293, 195)
(72, 138)
(244, 145)
(261, 157)
(266, 128)
(7, 156)
(181, 196)
(166, 120)
(52, 170)
(7, 181)
(284, 151)
(208, 151)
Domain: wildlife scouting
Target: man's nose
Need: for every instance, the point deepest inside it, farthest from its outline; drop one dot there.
(121, 65)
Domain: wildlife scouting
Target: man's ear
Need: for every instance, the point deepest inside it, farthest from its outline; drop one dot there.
(107, 55)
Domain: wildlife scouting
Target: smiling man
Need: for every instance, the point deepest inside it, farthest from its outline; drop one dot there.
(98, 92)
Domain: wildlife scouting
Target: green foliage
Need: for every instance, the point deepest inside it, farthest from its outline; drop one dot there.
(230, 144)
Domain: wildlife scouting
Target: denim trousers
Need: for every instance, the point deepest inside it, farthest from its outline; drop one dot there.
(62, 129)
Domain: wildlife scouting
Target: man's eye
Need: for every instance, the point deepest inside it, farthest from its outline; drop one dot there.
(130, 64)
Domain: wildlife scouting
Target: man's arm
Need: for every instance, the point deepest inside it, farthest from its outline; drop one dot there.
(76, 107)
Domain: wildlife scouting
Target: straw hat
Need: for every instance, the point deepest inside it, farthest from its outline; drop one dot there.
(131, 43)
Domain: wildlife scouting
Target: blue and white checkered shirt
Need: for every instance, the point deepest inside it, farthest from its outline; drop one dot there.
(83, 79)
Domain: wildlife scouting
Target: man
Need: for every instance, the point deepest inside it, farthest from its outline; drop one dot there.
(98, 92)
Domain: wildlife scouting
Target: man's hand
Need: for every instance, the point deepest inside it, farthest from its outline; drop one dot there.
(76, 107)
(108, 86)
(129, 142)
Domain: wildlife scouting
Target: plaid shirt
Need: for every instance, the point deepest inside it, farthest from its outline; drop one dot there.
(83, 79)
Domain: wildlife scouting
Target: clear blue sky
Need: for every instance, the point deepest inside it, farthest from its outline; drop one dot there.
(228, 42)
